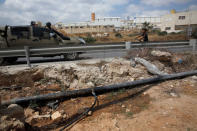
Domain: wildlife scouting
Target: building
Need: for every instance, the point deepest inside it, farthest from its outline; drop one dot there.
(138, 21)
(117, 22)
(179, 21)
(172, 22)
(106, 24)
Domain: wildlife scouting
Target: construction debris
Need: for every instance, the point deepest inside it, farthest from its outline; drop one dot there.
(32, 87)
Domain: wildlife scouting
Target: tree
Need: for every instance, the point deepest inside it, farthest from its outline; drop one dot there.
(147, 25)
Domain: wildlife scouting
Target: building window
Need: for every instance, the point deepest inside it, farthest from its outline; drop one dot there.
(168, 28)
(181, 17)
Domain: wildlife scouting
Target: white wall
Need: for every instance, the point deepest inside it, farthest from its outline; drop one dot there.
(171, 20)
(117, 22)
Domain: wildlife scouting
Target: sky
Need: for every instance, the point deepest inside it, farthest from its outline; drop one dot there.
(21, 12)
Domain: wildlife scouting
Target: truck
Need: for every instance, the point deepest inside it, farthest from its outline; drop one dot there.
(34, 36)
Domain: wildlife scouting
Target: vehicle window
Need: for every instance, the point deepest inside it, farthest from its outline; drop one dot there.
(42, 33)
(20, 32)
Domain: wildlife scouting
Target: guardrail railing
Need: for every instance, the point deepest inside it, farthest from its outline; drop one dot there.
(28, 51)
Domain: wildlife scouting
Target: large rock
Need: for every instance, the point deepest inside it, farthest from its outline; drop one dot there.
(56, 115)
(161, 55)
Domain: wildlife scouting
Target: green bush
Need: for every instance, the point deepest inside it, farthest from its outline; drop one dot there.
(173, 33)
(155, 31)
(118, 35)
(162, 33)
(89, 39)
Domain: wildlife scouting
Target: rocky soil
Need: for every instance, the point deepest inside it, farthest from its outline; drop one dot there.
(170, 105)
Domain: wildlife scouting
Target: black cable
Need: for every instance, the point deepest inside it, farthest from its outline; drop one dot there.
(83, 114)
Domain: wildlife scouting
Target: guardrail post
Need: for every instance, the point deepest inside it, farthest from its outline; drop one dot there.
(27, 54)
(128, 45)
(193, 43)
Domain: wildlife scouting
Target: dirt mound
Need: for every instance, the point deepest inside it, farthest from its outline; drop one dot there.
(22, 78)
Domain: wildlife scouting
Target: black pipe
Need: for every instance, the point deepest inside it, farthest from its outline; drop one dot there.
(98, 90)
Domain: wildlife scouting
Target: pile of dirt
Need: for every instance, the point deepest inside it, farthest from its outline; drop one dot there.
(21, 78)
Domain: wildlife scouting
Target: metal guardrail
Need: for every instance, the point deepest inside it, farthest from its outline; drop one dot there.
(56, 50)
(185, 43)
(28, 52)
(63, 49)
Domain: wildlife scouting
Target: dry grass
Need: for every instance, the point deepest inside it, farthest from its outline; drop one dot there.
(128, 36)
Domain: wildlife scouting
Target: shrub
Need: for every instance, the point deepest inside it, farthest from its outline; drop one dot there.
(173, 33)
(118, 35)
(89, 39)
(155, 31)
(162, 33)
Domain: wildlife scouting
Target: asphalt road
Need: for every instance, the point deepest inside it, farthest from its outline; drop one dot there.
(84, 56)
